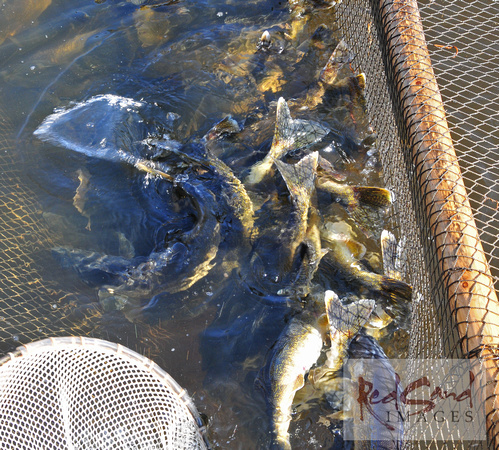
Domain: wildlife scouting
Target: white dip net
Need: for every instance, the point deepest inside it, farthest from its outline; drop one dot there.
(82, 393)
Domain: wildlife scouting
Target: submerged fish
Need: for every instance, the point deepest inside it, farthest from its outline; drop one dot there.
(299, 347)
(345, 321)
(16, 15)
(179, 264)
(289, 255)
(296, 350)
(353, 196)
(332, 76)
(384, 424)
(341, 255)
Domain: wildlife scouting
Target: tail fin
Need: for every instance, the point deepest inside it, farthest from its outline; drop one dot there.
(373, 196)
(290, 134)
(389, 254)
(396, 289)
(392, 255)
(300, 178)
(339, 58)
(346, 320)
(293, 134)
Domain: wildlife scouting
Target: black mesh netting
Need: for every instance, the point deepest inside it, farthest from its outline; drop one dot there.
(451, 238)
(455, 309)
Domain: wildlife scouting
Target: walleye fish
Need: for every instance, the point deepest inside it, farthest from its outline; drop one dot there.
(235, 191)
(296, 350)
(290, 134)
(289, 256)
(345, 321)
(16, 15)
(182, 262)
(341, 256)
(367, 359)
(177, 267)
(331, 76)
(352, 197)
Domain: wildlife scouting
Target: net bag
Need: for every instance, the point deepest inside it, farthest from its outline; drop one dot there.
(82, 393)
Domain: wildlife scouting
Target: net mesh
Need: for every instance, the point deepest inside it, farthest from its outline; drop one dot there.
(92, 394)
(32, 306)
(455, 308)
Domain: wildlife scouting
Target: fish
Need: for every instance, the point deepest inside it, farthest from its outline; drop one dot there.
(288, 256)
(152, 26)
(352, 197)
(235, 191)
(367, 359)
(392, 253)
(332, 76)
(17, 15)
(299, 347)
(345, 321)
(290, 134)
(180, 263)
(288, 361)
(126, 284)
(341, 255)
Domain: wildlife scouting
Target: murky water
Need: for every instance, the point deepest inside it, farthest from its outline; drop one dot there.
(191, 63)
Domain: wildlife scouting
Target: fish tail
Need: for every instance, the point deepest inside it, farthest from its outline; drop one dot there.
(300, 178)
(389, 254)
(392, 251)
(292, 134)
(347, 319)
(339, 58)
(396, 289)
(372, 196)
(283, 123)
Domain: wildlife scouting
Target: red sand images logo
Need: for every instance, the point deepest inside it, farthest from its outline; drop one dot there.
(416, 399)
(368, 396)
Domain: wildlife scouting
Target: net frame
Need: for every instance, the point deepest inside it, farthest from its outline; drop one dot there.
(33, 412)
(455, 312)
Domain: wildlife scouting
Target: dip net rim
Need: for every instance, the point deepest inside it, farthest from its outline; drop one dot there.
(78, 392)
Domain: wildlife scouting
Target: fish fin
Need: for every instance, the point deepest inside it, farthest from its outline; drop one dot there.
(300, 177)
(349, 319)
(293, 134)
(359, 83)
(396, 289)
(283, 123)
(373, 196)
(389, 254)
(226, 126)
(339, 58)
(290, 134)
(379, 319)
(94, 268)
(341, 415)
(299, 382)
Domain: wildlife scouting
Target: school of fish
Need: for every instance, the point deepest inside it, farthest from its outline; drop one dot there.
(293, 178)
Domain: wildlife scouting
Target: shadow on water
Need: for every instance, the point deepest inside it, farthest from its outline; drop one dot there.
(121, 239)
